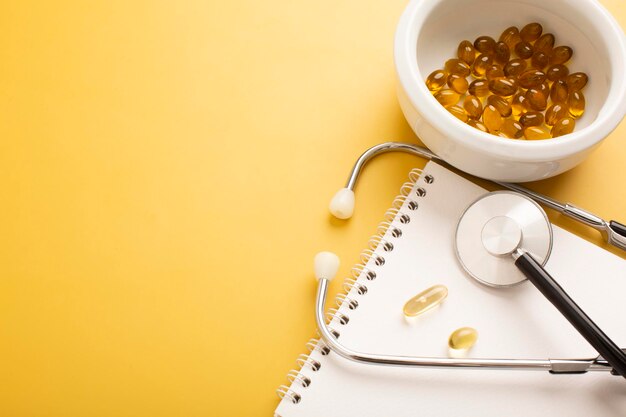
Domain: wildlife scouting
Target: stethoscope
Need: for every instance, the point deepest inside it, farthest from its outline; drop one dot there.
(502, 239)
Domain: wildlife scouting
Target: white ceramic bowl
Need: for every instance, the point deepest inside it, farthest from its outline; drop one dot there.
(428, 34)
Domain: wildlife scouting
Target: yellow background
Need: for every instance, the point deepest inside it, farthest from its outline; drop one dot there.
(165, 169)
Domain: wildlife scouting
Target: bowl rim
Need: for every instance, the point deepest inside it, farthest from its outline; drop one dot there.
(407, 69)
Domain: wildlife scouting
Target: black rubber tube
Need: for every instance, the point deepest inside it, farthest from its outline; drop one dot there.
(574, 314)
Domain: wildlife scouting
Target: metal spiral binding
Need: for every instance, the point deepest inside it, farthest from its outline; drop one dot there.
(387, 230)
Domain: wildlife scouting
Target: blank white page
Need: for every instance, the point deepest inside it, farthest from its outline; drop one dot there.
(516, 322)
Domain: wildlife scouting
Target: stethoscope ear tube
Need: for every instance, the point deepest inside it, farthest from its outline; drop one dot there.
(572, 312)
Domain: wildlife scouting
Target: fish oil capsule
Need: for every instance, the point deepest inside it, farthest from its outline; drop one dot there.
(559, 92)
(524, 50)
(478, 125)
(511, 37)
(466, 52)
(436, 80)
(515, 67)
(463, 338)
(501, 104)
(531, 78)
(473, 107)
(576, 81)
(536, 99)
(557, 72)
(479, 88)
(539, 60)
(447, 97)
(536, 133)
(518, 104)
(494, 71)
(501, 53)
(504, 87)
(458, 83)
(531, 118)
(560, 55)
(563, 127)
(531, 32)
(545, 43)
(459, 113)
(481, 64)
(458, 67)
(555, 113)
(426, 300)
(485, 44)
(512, 128)
(492, 118)
(545, 89)
(576, 103)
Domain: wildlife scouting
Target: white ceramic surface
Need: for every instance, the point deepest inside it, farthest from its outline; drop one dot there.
(428, 34)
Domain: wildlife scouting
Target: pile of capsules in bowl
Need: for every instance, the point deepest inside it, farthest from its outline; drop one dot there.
(519, 86)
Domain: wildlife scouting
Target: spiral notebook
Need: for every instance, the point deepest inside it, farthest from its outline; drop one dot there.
(415, 251)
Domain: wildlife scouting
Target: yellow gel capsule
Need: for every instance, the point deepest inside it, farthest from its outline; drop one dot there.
(466, 52)
(536, 99)
(436, 80)
(515, 67)
(479, 88)
(545, 89)
(492, 119)
(477, 125)
(447, 98)
(557, 72)
(501, 53)
(463, 338)
(458, 67)
(512, 129)
(504, 87)
(576, 81)
(536, 133)
(511, 37)
(531, 78)
(494, 71)
(458, 83)
(539, 60)
(563, 127)
(555, 113)
(524, 50)
(481, 65)
(560, 55)
(473, 107)
(518, 104)
(531, 118)
(559, 92)
(545, 43)
(485, 44)
(576, 103)
(501, 104)
(531, 32)
(425, 300)
(459, 113)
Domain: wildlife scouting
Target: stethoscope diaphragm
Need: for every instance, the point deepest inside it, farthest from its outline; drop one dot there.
(492, 228)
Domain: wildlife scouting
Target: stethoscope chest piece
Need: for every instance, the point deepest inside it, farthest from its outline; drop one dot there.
(492, 228)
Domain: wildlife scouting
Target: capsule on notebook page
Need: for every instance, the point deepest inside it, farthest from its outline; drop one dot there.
(463, 338)
(425, 300)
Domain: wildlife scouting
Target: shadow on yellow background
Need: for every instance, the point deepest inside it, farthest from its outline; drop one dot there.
(165, 169)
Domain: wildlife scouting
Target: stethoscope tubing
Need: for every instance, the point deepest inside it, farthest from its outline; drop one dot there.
(613, 232)
(555, 366)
